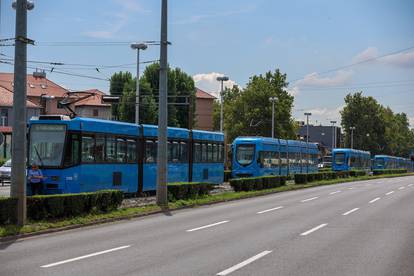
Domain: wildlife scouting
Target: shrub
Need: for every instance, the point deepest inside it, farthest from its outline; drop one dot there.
(188, 190)
(8, 210)
(356, 173)
(342, 174)
(389, 171)
(301, 178)
(257, 183)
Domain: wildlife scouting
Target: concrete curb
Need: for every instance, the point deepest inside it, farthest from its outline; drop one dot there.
(110, 220)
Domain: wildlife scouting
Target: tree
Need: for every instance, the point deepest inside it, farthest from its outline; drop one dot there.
(180, 85)
(116, 88)
(249, 111)
(377, 129)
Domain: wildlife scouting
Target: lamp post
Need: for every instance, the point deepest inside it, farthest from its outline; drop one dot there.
(221, 79)
(273, 100)
(307, 114)
(333, 134)
(137, 46)
(352, 136)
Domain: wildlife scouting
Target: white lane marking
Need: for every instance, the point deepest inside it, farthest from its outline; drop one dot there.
(309, 199)
(350, 188)
(350, 211)
(85, 256)
(401, 188)
(268, 210)
(334, 192)
(390, 193)
(375, 199)
(244, 263)
(207, 226)
(409, 185)
(313, 229)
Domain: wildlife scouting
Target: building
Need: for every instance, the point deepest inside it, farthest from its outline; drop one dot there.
(204, 110)
(6, 119)
(93, 107)
(322, 135)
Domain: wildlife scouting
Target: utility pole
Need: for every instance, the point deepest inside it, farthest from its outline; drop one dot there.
(18, 173)
(333, 134)
(307, 114)
(273, 100)
(162, 173)
(352, 136)
(137, 46)
(221, 79)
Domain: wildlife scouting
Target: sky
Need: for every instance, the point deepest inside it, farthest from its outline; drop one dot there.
(313, 42)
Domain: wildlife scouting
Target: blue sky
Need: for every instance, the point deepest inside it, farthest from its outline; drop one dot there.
(238, 38)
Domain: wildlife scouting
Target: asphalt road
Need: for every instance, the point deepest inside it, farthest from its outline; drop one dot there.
(358, 228)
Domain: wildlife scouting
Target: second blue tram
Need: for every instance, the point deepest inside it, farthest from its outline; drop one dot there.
(84, 154)
(392, 162)
(257, 156)
(350, 159)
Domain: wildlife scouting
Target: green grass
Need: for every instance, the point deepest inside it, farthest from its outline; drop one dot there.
(127, 213)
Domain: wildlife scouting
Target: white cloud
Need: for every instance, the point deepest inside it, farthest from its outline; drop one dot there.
(200, 17)
(411, 121)
(405, 60)
(208, 82)
(367, 54)
(322, 115)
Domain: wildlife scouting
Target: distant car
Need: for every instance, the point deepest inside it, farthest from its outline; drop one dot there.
(5, 171)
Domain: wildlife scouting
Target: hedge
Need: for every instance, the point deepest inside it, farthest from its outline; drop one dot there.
(257, 183)
(42, 207)
(389, 171)
(356, 173)
(8, 210)
(303, 178)
(188, 190)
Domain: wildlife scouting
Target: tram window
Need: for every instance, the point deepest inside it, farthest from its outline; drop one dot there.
(183, 152)
(150, 151)
(220, 153)
(283, 157)
(204, 153)
(99, 149)
(131, 151)
(88, 144)
(110, 149)
(215, 153)
(173, 152)
(72, 150)
(197, 152)
(209, 152)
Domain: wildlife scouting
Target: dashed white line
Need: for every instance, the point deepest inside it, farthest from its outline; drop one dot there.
(309, 199)
(207, 226)
(334, 192)
(409, 185)
(314, 229)
(244, 263)
(86, 256)
(401, 188)
(375, 199)
(350, 211)
(268, 210)
(389, 193)
(350, 188)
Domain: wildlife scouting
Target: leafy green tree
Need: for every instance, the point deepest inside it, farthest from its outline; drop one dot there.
(249, 111)
(180, 85)
(116, 88)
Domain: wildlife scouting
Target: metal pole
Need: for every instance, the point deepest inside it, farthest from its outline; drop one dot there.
(221, 107)
(333, 136)
(163, 113)
(18, 173)
(273, 119)
(137, 92)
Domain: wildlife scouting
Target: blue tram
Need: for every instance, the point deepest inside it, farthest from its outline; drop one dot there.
(257, 156)
(350, 159)
(84, 155)
(392, 162)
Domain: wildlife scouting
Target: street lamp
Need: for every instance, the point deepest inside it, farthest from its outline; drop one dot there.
(307, 114)
(352, 136)
(273, 100)
(137, 46)
(221, 79)
(333, 134)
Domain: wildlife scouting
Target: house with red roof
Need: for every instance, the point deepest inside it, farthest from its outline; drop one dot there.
(204, 110)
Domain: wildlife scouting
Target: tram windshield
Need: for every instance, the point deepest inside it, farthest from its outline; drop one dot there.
(245, 154)
(46, 145)
(339, 158)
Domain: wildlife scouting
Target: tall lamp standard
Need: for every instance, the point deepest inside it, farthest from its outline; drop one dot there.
(273, 100)
(333, 134)
(137, 46)
(307, 114)
(221, 79)
(352, 136)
